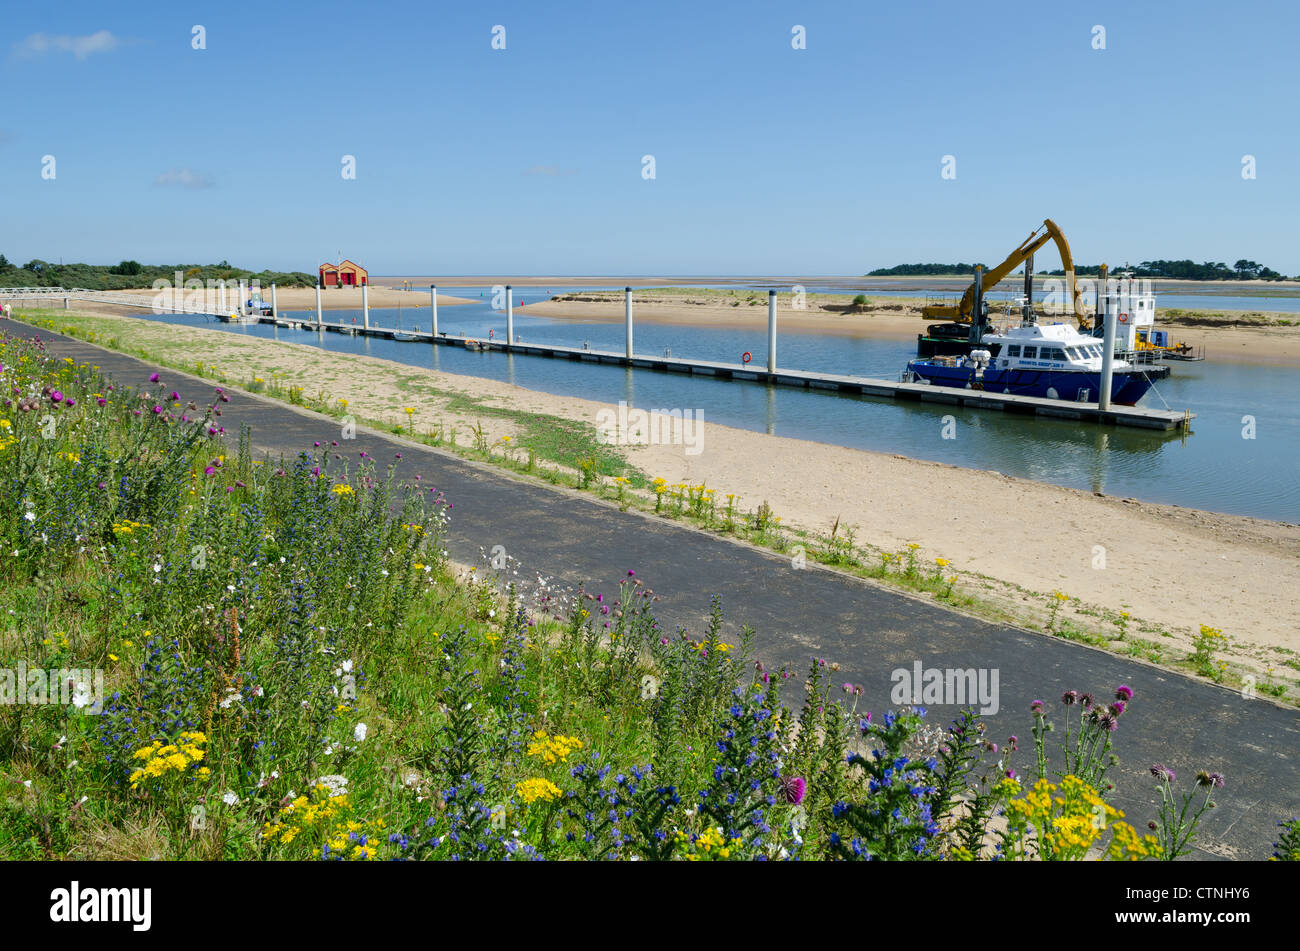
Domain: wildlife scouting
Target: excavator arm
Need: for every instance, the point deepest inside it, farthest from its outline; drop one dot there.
(963, 311)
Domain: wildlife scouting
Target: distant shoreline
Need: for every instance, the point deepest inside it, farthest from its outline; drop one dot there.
(1227, 336)
(848, 284)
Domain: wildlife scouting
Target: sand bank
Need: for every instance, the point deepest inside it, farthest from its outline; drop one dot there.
(890, 319)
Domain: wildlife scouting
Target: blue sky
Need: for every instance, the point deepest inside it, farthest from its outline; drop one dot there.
(528, 160)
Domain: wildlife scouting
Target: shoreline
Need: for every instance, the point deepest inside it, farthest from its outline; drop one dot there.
(1227, 571)
(287, 298)
(896, 319)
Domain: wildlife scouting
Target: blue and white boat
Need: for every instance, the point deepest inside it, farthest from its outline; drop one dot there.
(1053, 361)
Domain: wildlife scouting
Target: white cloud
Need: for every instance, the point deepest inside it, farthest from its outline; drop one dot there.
(184, 177)
(79, 46)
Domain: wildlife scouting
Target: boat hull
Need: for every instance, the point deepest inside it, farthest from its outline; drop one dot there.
(1127, 387)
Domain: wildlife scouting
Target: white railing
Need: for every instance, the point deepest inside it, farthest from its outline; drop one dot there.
(162, 301)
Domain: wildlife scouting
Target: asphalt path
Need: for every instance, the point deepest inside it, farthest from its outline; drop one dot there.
(870, 630)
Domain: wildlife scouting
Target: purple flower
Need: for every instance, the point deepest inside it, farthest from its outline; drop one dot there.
(1163, 773)
(174, 397)
(56, 397)
(1124, 692)
(101, 401)
(1086, 700)
(208, 470)
(71, 402)
(1036, 707)
(153, 378)
(794, 788)
(157, 410)
(1117, 707)
(1213, 780)
(1070, 697)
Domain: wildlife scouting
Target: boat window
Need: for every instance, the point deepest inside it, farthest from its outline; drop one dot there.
(1054, 355)
(1013, 350)
(1073, 353)
(1031, 351)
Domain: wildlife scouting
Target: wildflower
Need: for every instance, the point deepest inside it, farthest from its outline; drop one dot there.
(1070, 697)
(1163, 773)
(153, 378)
(1124, 692)
(359, 732)
(794, 788)
(230, 799)
(537, 790)
(1036, 707)
(1213, 780)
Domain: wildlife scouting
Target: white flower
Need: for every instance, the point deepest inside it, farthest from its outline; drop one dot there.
(157, 568)
(347, 667)
(335, 783)
(31, 517)
(230, 799)
(80, 695)
(359, 732)
(27, 783)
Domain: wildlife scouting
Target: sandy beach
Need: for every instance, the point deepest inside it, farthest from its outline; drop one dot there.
(287, 298)
(1173, 568)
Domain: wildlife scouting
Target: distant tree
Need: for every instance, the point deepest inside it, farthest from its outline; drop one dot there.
(35, 265)
(129, 268)
(4, 263)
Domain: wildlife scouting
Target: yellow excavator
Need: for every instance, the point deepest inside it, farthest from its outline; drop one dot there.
(963, 312)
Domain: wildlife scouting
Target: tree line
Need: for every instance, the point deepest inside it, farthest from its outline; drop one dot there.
(133, 274)
(1184, 270)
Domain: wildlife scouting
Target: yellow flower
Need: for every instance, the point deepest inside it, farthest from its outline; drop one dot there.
(537, 790)
(553, 749)
(342, 489)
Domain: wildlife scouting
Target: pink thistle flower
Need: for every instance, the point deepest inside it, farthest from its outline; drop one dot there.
(153, 378)
(794, 788)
